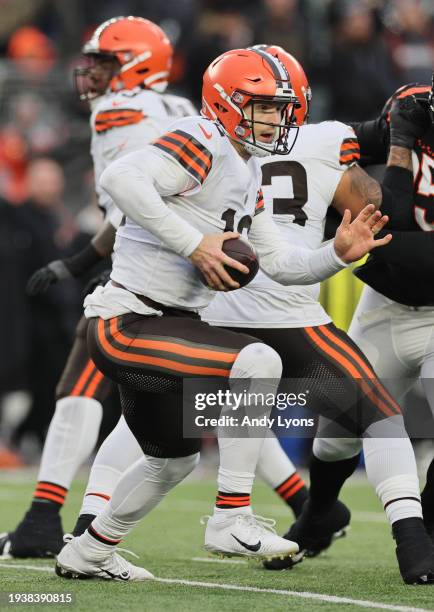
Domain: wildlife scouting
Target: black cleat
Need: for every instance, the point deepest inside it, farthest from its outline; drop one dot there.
(313, 534)
(37, 536)
(414, 551)
(283, 564)
(430, 530)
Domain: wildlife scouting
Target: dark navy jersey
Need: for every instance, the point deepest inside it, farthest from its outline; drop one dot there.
(404, 270)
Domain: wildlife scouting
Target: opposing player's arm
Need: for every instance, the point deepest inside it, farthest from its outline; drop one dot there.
(373, 138)
(408, 121)
(291, 265)
(418, 248)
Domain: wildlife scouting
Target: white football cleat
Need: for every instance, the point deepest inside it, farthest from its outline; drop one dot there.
(246, 535)
(72, 563)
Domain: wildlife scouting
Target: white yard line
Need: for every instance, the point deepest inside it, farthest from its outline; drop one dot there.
(37, 568)
(228, 561)
(249, 589)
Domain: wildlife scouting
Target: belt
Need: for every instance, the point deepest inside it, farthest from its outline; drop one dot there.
(179, 312)
(147, 301)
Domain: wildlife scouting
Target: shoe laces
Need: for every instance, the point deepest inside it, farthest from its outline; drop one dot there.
(68, 537)
(255, 524)
(128, 552)
(121, 564)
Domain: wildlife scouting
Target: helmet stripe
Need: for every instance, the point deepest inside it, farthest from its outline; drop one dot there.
(93, 44)
(279, 70)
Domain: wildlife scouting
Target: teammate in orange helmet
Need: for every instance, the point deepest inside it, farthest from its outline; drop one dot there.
(128, 61)
(299, 81)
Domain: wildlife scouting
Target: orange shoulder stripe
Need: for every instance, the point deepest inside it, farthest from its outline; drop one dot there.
(187, 159)
(195, 150)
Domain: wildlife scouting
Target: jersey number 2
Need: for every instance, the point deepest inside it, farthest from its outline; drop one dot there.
(288, 205)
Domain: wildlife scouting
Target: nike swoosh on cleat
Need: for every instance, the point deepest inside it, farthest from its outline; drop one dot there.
(123, 576)
(207, 135)
(251, 547)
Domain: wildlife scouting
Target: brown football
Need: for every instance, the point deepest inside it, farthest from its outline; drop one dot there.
(242, 252)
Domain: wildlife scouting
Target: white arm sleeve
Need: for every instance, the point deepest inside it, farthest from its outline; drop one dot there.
(136, 183)
(290, 265)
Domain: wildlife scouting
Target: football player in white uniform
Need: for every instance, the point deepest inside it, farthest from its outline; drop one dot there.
(298, 188)
(144, 330)
(128, 63)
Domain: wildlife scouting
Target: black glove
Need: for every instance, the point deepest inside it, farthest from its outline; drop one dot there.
(409, 120)
(46, 276)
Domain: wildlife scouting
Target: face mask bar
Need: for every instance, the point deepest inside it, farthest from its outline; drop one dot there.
(280, 144)
(87, 86)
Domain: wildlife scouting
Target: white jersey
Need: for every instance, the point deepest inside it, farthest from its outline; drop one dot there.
(190, 182)
(126, 121)
(220, 183)
(298, 188)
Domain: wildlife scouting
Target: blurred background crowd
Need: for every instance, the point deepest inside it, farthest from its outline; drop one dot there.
(355, 53)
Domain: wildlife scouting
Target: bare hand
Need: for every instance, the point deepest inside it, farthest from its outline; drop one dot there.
(210, 260)
(354, 240)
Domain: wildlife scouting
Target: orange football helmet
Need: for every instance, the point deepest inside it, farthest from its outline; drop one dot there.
(142, 51)
(241, 77)
(298, 79)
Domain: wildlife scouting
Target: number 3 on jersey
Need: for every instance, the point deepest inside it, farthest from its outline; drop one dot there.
(288, 182)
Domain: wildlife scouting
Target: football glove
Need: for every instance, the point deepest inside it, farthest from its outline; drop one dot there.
(409, 120)
(47, 276)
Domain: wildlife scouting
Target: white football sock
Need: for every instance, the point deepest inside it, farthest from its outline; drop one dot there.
(71, 438)
(139, 490)
(274, 465)
(118, 451)
(257, 369)
(391, 468)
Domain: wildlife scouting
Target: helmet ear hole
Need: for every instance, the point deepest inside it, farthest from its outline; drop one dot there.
(220, 108)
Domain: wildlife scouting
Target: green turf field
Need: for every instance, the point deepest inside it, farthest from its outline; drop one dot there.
(359, 567)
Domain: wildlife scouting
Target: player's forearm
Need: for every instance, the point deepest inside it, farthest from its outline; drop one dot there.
(400, 157)
(373, 140)
(104, 239)
(131, 186)
(290, 265)
(397, 189)
(418, 248)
